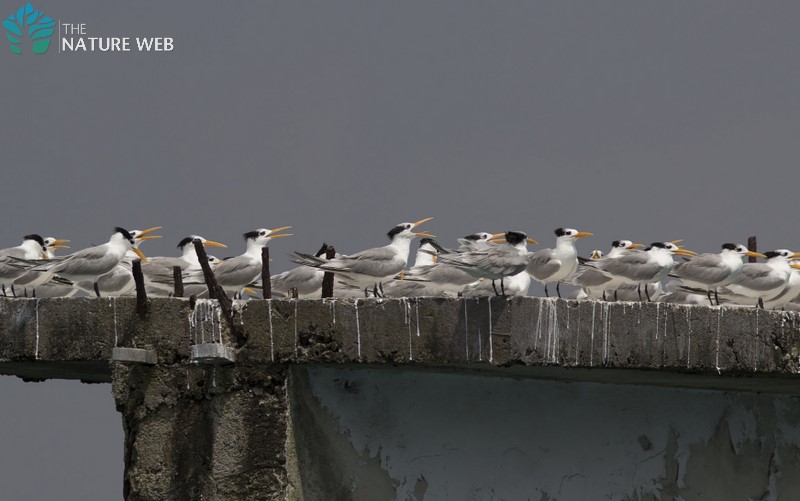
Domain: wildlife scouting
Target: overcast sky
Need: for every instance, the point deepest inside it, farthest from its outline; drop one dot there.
(640, 120)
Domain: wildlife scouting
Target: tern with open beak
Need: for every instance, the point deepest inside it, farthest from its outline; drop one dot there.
(91, 263)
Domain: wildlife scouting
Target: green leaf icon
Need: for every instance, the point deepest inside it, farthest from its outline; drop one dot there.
(27, 22)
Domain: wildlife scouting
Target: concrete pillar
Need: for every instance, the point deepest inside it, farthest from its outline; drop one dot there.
(203, 432)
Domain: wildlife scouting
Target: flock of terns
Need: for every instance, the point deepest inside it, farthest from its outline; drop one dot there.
(483, 264)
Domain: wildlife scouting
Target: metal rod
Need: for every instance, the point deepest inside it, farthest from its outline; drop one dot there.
(328, 278)
(752, 245)
(177, 277)
(141, 294)
(266, 282)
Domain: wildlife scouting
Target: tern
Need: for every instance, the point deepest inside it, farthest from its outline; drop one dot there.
(594, 282)
(119, 281)
(12, 264)
(91, 263)
(370, 268)
(638, 268)
(33, 279)
(555, 265)
(158, 272)
(495, 262)
(238, 272)
(307, 281)
(762, 281)
(711, 271)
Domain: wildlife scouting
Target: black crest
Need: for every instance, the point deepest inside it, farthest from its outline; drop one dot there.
(474, 237)
(34, 236)
(660, 245)
(616, 243)
(560, 232)
(771, 254)
(515, 237)
(251, 234)
(394, 231)
(185, 241)
(125, 233)
(730, 246)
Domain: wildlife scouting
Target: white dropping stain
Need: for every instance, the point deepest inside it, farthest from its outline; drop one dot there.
(591, 350)
(578, 336)
(214, 376)
(719, 321)
(333, 311)
(755, 363)
(218, 320)
(538, 325)
(466, 330)
(489, 302)
(689, 347)
(553, 330)
(271, 337)
(417, 307)
(480, 348)
(36, 351)
(296, 339)
(114, 305)
(358, 333)
(657, 313)
(666, 317)
(606, 318)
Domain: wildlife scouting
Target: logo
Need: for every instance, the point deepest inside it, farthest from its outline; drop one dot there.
(31, 25)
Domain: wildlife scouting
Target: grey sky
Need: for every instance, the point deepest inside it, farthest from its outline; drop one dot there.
(632, 119)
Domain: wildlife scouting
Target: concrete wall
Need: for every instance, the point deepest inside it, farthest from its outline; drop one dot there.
(430, 398)
(410, 435)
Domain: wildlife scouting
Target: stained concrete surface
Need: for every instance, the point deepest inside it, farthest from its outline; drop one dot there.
(380, 434)
(349, 399)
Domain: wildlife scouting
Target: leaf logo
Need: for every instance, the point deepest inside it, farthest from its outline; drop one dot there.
(32, 24)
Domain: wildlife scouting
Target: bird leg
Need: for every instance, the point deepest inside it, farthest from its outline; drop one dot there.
(716, 296)
(13, 292)
(615, 295)
(545, 291)
(760, 303)
(502, 287)
(366, 291)
(380, 286)
(708, 295)
(495, 288)
(4, 290)
(639, 290)
(375, 291)
(604, 295)
(558, 289)
(97, 289)
(647, 293)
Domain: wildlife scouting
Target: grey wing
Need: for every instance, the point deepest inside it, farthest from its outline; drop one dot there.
(379, 262)
(168, 262)
(590, 277)
(236, 271)
(92, 261)
(543, 265)
(502, 261)
(759, 277)
(305, 279)
(704, 269)
(634, 266)
(13, 252)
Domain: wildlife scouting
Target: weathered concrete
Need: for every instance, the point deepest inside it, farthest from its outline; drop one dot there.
(228, 430)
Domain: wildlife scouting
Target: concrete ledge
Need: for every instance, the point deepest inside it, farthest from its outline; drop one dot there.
(436, 333)
(134, 355)
(213, 353)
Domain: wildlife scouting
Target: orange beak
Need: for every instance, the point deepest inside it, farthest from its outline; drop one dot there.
(211, 243)
(582, 234)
